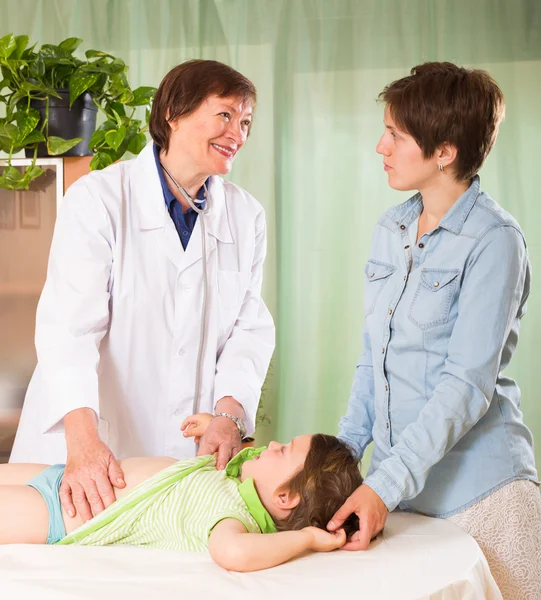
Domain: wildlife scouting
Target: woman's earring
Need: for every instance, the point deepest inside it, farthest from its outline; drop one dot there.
(440, 167)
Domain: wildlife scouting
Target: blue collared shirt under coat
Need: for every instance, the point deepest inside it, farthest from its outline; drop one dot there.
(184, 222)
(442, 323)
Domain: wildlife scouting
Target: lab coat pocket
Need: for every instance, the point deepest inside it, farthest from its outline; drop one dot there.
(434, 296)
(232, 286)
(377, 274)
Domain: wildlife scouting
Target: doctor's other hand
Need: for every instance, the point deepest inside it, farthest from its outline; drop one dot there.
(91, 471)
(196, 425)
(221, 436)
(372, 513)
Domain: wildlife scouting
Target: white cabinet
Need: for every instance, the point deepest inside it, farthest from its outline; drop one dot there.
(26, 226)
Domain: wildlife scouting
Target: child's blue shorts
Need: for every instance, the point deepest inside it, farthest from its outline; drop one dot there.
(48, 485)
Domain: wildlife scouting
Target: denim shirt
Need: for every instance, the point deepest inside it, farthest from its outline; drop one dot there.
(442, 323)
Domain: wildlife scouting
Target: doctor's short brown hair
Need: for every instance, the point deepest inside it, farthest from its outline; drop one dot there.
(442, 102)
(329, 476)
(186, 86)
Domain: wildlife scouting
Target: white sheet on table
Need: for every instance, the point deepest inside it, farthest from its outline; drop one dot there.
(416, 558)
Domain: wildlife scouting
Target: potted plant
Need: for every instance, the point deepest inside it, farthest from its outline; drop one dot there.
(34, 85)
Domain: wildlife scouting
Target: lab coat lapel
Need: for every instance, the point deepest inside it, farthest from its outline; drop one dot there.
(150, 204)
(146, 191)
(152, 213)
(216, 225)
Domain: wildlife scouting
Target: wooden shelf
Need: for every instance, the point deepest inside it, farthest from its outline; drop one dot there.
(75, 167)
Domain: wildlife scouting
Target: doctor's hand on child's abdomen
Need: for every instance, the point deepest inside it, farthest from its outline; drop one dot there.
(135, 470)
(91, 468)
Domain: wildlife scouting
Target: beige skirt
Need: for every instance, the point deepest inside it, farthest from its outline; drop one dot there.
(507, 526)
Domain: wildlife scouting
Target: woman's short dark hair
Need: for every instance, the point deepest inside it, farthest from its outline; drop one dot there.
(329, 476)
(442, 102)
(186, 86)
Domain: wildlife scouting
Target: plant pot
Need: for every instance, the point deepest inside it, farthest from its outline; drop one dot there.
(79, 121)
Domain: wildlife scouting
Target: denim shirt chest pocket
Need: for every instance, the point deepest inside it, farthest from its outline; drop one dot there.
(377, 274)
(434, 297)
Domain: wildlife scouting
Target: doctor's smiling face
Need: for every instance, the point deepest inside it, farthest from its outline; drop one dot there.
(211, 136)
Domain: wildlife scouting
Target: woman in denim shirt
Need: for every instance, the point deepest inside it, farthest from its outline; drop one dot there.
(446, 287)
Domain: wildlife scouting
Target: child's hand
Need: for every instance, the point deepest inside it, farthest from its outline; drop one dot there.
(195, 425)
(324, 541)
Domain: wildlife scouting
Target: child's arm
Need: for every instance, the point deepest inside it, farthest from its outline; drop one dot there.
(195, 425)
(233, 548)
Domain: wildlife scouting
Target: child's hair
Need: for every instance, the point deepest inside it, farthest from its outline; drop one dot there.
(329, 476)
(442, 102)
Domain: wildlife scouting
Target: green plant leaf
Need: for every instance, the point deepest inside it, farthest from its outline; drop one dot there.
(100, 161)
(31, 173)
(117, 66)
(97, 88)
(97, 138)
(12, 175)
(27, 119)
(29, 53)
(57, 145)
(79, 82)
(107, 125)
(94, 53)
(37, 68)
(116, 108)
(63, 73)
(15, 99)
(115, 137)
(33, 138)
(34, 171)
(71, 44)
(126, 97)
(21, 41)
(9, 131)
(53, 53)
(36, 86)
(116, 117)
(142, 96)
(137, 143)
(7, 45)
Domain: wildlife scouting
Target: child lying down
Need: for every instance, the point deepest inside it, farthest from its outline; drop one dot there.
(289, 491)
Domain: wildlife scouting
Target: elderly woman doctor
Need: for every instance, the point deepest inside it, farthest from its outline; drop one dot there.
(152, 307)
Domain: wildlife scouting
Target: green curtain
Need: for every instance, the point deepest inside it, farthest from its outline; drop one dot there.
(311, 161)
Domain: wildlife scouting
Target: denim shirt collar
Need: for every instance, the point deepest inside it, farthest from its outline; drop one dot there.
(454, 219)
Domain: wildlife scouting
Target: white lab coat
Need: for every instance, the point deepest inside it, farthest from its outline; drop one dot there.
(119, 318)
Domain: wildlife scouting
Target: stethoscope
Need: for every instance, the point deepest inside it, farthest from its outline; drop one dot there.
(201, 212)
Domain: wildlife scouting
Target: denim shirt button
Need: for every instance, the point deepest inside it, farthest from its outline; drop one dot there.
(402, 227)
(421, 245)
(436, 283)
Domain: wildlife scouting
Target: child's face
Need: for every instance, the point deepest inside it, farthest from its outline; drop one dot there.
(277, 464)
